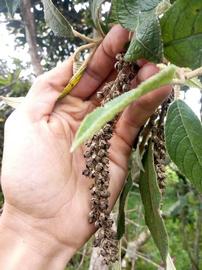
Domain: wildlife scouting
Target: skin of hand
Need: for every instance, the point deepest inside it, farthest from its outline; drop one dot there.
(46, 197)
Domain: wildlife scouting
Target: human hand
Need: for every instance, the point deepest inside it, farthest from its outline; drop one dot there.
(46, 196)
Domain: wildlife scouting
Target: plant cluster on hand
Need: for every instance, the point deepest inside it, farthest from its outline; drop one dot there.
(97, 163)
(156, 34)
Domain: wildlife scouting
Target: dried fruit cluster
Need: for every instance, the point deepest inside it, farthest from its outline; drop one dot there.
(159, 142)
(97, 164)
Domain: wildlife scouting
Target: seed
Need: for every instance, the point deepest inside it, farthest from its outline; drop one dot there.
(105, 194)
(86, 172)
(93, 190)
(108, 136)
(96, 242)
(119, 57)
(118, 66)
(87, 154)
(99, 167)
(103, 205)
(100, 95)
(97, 224)
(101, 153)
(115, 94)
(94, 201)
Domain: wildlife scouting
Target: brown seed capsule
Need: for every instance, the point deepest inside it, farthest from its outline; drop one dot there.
(108, 136)
(101, 233)
(87, 154)
(96, 242)
(86, 172)
(131, 76)
(93, 190)
(105, 160)
(102, 143)
(100, 95)
(99, 167)
(124, 78)
(89, 163)
(94, 201)
(105, 194)
(115, 94)
(103, 252)
(119, 57)
(107, 100)
(92, 173)
(103, 205)
(118, 66)
(125, 87)
(97, 224)
(101, 153)
(102, 219)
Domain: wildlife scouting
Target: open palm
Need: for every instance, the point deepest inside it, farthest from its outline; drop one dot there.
(42, 181)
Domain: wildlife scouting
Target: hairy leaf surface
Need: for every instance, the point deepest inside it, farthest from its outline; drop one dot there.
(183, 132)
(122, 201)
(56, 21)
(182, 33)
(146, 42)
(127, 11)
(151, 198)
(96, 120)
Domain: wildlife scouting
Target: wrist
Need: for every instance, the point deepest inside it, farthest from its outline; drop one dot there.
(27, 245)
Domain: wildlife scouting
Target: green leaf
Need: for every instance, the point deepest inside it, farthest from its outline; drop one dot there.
(151, 198)
(143, 5)
(113, 14)
(126, 17)
(140, 17)
(12, 6)
(95, 12)
(146, 42)
(194, 82)
(182, 33)
(183, 132)
(128, 11)
(122, 201)
(94, 121)
(56, 21)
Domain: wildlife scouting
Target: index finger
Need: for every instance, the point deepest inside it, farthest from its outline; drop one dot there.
(99, 67)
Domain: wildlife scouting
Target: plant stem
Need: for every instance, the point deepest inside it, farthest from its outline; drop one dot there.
(85, 38)
(82, 48)
(195, 73)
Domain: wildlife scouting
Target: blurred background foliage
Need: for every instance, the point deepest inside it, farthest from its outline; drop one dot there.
(182, 205)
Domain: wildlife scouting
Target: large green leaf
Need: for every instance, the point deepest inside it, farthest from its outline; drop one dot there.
(146, 42)
(112, 14)
(140, 17)
(125, 16)
(128, 11)
(122, 201)
(182, 33)
(12, 6)
(183, 132)
(95, 120)
(56, 21)
(151, 198)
